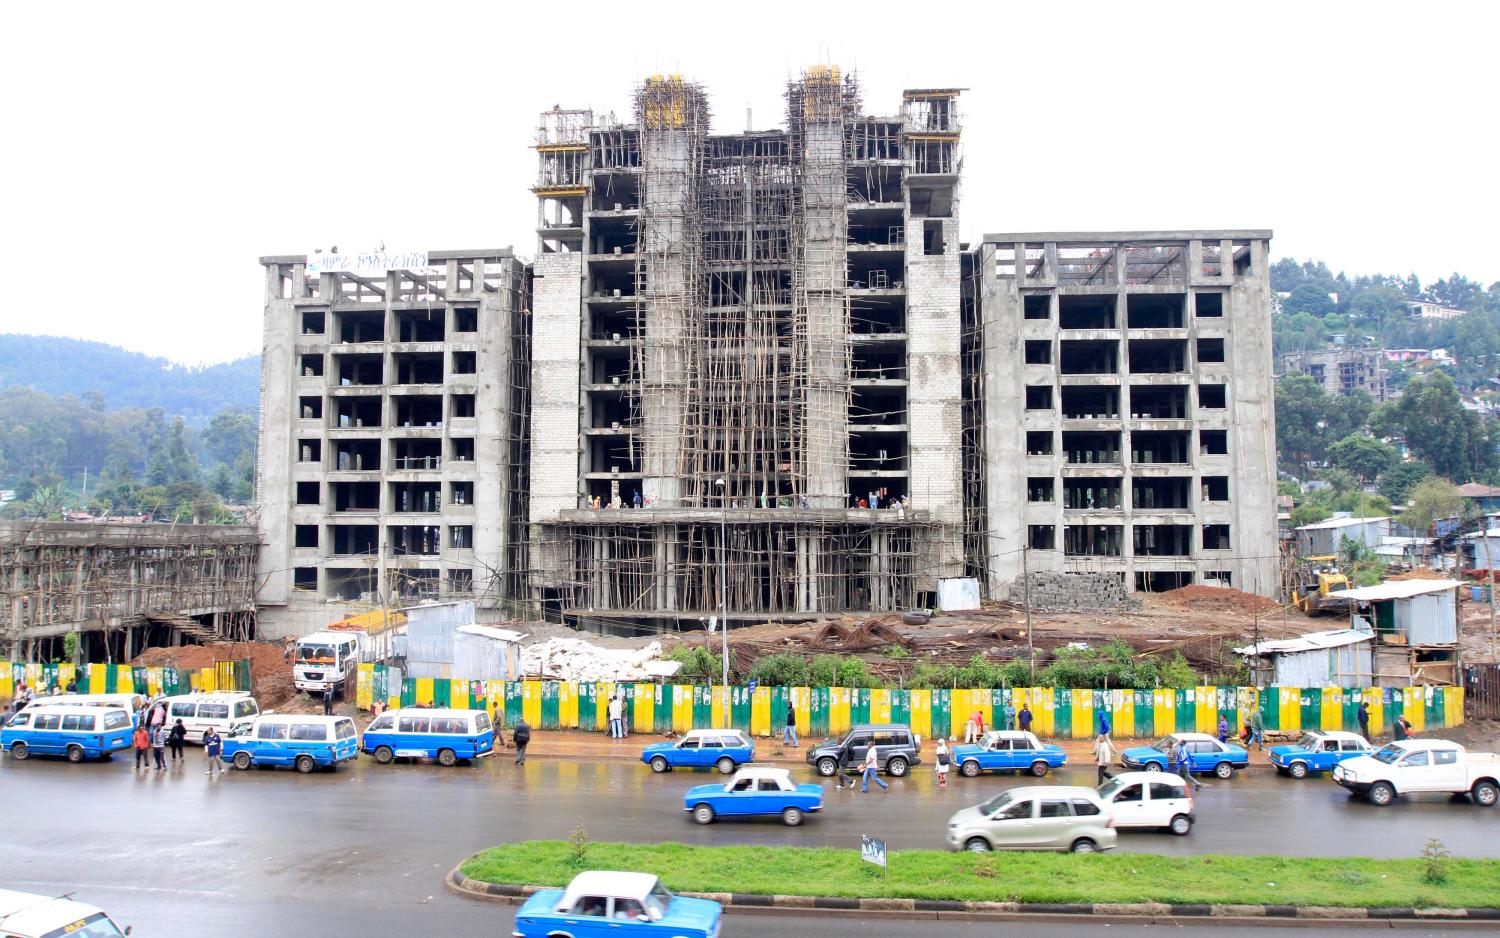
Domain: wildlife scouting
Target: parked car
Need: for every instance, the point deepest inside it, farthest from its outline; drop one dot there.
(754, 790)
(600, 903)
(428, 733)
(897, 749)
(1049, 817)
(1205, 754)
(1149, 799)
(28, 915)
(1318, 751)
(221, 710)
(1008, 751)
(78, 731)
(306, 742)
(1421, 765)
(725, 750)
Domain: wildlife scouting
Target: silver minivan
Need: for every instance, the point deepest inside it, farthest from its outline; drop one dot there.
(1044, 817)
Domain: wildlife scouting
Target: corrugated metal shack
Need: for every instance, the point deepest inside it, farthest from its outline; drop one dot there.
(485, 653)
(1416, 629)
(1324, 537)
(429, 637)
(1337, 658)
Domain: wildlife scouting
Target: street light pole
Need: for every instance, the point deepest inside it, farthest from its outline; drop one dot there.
(724, 574)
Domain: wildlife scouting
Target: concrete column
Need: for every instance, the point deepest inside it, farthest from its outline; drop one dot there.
(556, 351)
(1252, 416)
(823, 297)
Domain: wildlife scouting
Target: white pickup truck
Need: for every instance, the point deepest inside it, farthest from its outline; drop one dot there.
(1418, 765)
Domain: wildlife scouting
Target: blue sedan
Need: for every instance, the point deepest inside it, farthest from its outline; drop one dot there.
(754, 791)
(605, 903)
(1205, 754)
(1009, 751)
(1318, 752)
(725, 750)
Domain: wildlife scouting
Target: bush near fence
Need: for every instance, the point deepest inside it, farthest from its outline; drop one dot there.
(1057, 713)
(123, 678)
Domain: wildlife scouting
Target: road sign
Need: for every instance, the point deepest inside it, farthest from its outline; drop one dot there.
(872, 849)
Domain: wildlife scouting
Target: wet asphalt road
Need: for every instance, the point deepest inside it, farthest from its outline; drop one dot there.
(363, 851)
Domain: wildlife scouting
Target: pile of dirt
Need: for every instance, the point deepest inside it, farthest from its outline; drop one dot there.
(1418, 573)
(270, 672)
(1219, 599)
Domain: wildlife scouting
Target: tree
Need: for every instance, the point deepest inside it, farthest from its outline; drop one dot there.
(1396, 482)
(1431, 500)
(172, 463)
(1362, 455)
(1430, 416)
(230, 437)
(1378, 305)
(1300, 407)
(1309, 514)
(1308, 298)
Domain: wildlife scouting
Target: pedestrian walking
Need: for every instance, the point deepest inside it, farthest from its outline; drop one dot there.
(942, 761)
(614, 717)
(72, 686)
(176, 737)
(872, 771)
(1010, 715)
(521, 737)
(1364, 719)
(1104, 754)
(141, 740)
(1179, 761)
(974, 728)
(841, 763)
(213, 746)
(328, 701)
(1024, 717)
(1400, 729)
(159, 747)
(789, 729)
(1223, 729)
(1257, 729)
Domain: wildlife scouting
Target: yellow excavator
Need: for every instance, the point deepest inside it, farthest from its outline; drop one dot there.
(1319, 583)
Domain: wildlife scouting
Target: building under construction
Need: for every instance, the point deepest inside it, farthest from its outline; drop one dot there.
(759, 374)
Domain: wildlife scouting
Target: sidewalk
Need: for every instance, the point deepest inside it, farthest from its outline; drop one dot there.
(591, 747)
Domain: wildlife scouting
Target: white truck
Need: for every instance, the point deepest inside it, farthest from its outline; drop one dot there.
(327, 657)
(1422, 765)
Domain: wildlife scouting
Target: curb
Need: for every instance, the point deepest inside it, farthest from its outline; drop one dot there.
(1275, 915)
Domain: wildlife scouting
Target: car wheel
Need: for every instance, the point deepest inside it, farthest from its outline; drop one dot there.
(703, 814)
(1381, 793)
(305, 764)
(1180, 825)
(977, 845)
(20, 751)
(1039, 768)
(791, 817)
(1485, 793)
(1297, 770)
(826, 767)
(242, 760)
(75, 753)
(1083, 845)
(1223, 770)
(970, 768)
(384, 756)
(446, 757)
(896, 767)
(658, 764)
(726, 765)
(1153, 766)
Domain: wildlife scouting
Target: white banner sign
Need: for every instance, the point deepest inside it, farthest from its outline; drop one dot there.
(372, 262)
(872, 849)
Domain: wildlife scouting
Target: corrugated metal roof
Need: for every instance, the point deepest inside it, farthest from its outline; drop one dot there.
(1309, 642)
(1342, 523)
(489, 631)
(1399, 589)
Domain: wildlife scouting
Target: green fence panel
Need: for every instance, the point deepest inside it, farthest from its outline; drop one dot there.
(818, 718)
(1187, 712)
(1227, 709)
(779, 701)
(859, 706)
(1312, 707)
(1145, 716)
(1351, 711)
(141, 680)
(942, 712)
(901, 706)
(1062, 714)
(703, 706)
(409, 692)
(550, 705)
(663, 708)
(1433, 713)
(739, 708)
(171, 682)
(1270, 706)
(442, 692)
(514, 692)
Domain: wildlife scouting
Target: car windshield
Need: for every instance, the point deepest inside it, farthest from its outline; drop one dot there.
(659, 899)
(996, 803)
(314, 652)
(1309, 741)
(97, 925)
(1389, 754)
(1110, 787)
(1163, 744)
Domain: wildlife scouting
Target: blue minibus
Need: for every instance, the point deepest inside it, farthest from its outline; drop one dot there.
(306, 742)
(428, 733)
(78, 731)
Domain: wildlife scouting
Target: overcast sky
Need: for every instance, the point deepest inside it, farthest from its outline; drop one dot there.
(156, 151)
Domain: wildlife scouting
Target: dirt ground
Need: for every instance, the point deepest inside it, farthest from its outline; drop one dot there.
(270, 671)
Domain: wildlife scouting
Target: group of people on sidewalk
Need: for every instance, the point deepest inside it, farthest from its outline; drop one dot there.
(155, 738)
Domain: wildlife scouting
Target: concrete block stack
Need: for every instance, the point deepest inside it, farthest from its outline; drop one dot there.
(1080, 592)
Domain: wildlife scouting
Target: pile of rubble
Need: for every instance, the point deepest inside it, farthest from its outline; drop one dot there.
(573, 659)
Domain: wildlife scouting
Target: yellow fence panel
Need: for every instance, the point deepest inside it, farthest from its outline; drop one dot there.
(838, 711)
(921, 713)
(760, 712)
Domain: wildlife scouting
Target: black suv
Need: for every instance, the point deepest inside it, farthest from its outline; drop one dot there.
(896, 749)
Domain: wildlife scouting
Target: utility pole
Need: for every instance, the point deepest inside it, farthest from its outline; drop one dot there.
(1026, 599)
(724, 573)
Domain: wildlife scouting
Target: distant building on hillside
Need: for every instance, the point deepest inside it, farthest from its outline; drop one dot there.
(1425, 310)
(1341, 370)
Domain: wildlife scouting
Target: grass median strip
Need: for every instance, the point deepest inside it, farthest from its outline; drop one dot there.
(1007, 877)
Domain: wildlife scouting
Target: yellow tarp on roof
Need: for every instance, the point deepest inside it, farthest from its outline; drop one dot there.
(373, 621)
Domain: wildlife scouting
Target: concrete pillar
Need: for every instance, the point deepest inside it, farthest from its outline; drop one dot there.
(823, 300)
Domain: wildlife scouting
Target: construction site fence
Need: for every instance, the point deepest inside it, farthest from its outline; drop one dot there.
(825, 711)
(123, 678)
